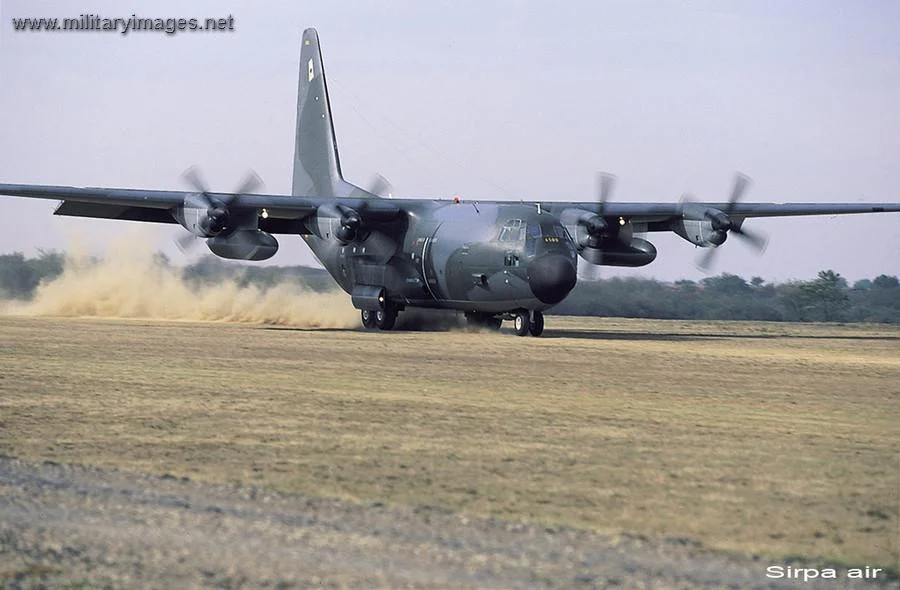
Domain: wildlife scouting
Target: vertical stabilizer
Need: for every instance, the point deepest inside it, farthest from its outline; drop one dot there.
(317, 169)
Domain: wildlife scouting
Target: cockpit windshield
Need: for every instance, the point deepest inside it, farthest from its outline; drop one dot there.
(513, 231)
(537, 236)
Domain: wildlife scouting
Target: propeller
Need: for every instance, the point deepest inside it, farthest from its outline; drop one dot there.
(381, 247)
(593, 222)
(587, 270)
(351, 228)
(186, 242)
(596, 225)
(591, 225)
(350, 224)
(217, 212)
(605, 184)
(380, 186)
(721, 221)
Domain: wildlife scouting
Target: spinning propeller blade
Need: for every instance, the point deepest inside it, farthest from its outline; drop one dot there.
(193, 177)
(217, 211)
(252, 182)
(588, 271)
(380, 186)
(724, 222)
(186, 242)
(605, 184)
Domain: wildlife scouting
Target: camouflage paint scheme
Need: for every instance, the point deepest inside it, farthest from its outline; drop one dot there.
(494, 260)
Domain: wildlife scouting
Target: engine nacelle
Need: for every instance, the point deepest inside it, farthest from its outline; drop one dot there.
(337, 221)
(244, 245)
(589, 229)
(699, 232)
(203, 218)
(613, 252)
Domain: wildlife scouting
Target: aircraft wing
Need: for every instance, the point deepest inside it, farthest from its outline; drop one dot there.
(654, 212)
(284, 214)
(113, 199)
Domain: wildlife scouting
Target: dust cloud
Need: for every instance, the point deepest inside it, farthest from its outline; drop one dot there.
(129, 284)
(430, 320)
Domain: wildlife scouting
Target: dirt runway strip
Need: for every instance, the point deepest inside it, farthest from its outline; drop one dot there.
(67, 526)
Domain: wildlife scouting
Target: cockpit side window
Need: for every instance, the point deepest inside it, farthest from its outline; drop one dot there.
(533, 236)
(562, 232)
(513, 231)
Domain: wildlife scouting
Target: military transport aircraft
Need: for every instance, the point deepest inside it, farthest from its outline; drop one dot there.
(493, 260)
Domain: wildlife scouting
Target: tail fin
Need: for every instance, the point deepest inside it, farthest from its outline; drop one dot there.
(317, 167)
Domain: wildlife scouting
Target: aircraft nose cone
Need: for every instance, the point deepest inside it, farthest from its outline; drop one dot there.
(551, 278)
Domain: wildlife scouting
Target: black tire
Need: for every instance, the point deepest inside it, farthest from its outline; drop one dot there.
(493, 323)
(522, 323)
(368, 319)
(537, 324)
(385, 318)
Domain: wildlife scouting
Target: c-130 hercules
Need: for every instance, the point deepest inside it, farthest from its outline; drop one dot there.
(493, 260)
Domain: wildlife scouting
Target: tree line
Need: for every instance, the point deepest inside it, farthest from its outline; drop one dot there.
(826, 298)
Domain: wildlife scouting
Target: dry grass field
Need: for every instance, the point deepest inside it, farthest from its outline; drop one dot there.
(766, 438)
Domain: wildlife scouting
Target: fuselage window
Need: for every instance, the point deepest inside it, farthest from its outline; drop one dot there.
(511, 259)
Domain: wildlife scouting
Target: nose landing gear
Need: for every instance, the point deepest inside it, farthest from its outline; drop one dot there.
(528, 322)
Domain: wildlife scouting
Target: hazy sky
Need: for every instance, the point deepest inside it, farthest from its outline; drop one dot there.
(509, 100)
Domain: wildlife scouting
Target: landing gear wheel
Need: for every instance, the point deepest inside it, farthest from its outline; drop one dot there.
(368, 319)
(385, 318)
(522, 323)
(537, 324)
(493, 323)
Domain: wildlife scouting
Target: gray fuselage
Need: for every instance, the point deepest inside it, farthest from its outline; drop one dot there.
(492, 258)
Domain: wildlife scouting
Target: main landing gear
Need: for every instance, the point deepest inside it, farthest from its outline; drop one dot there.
(383, 319)
(528, 322)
